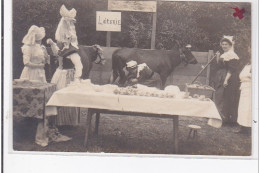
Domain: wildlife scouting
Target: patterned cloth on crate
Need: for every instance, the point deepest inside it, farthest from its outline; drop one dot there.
(30, 98)
(66, 115)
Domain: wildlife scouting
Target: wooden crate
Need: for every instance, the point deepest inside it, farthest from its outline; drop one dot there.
(208, 91)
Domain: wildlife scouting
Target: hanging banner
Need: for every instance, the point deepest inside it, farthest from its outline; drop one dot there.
(108, 21)
(142, 6)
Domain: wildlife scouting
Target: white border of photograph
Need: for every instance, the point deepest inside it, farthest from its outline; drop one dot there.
(15, 161)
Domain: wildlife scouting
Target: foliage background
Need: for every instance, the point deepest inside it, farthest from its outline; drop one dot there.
(201, 24)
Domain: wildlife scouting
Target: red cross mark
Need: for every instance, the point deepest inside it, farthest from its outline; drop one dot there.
(238, 12)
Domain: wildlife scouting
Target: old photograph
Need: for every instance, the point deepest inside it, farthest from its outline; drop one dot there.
(132, 77)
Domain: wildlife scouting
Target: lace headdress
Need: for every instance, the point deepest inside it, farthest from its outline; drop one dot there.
(34, 33)
(227, 56)
(66, 27)
(229, 39)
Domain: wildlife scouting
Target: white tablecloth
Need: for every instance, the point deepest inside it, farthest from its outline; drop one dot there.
(74, 96)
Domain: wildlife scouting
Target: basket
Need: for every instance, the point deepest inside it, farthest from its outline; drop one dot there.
(206, 90)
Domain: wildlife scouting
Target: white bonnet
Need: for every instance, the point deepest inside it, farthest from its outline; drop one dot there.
(131, 64)
(68, 14)
(66, 28)
(227, 56)
(228, 38)
(34, 33)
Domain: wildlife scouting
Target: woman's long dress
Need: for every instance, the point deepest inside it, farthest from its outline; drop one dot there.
(36, 55)
(62, 77)
(227, 98)
(245, 103)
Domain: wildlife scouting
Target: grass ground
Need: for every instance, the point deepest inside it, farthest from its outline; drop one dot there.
(127, 134)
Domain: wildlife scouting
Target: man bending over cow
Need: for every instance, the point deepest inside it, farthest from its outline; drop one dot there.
(142, 74)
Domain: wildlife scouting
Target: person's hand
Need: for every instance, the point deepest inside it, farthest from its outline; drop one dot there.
(60, 67)
(49, 41)
(225, 84)
(134, 81)
(218, 53)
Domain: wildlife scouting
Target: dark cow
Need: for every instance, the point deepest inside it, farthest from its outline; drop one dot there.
(160, 61)
(88, 55)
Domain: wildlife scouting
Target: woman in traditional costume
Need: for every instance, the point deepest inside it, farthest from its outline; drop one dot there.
(228, 97)
(35, 57)
(142, 74)
(245, 104)
(70, 66)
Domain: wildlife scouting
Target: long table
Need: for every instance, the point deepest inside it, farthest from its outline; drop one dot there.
(109, 103)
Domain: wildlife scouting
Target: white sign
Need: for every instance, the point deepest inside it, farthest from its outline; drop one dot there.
(142, 6)
(108, 21)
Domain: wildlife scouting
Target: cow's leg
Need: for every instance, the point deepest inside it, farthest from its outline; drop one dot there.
(163, 78)
(85, 72)
(85, 63)
(88, 71)
(122, 79)
(114, 76)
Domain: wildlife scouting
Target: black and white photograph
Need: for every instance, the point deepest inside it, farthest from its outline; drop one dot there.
(132, 77)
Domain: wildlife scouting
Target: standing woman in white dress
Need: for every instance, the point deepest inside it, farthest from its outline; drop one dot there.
(34, 55)
(34, 58)
(70, 66)
(245, 103)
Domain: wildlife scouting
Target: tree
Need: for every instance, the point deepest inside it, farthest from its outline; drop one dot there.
(201, 24)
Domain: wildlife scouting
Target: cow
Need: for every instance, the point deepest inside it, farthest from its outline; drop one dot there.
(88, 54)
(161, 61)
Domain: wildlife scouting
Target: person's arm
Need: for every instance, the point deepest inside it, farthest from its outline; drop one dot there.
(227, 78)
(46, 55)
(26, 58)
(145, 74)
(232, 66)
(60, 60)
(131, 80)
(55, 49)
(76, 60)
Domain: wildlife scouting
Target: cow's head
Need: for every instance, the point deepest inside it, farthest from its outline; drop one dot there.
(186, 56)
(99, 53)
